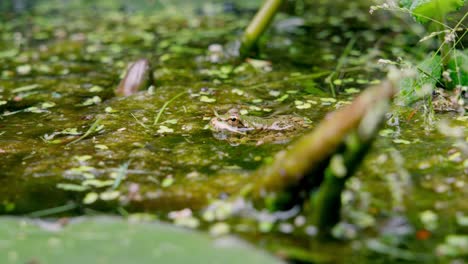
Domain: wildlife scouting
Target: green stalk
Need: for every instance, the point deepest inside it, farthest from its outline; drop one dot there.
(339, 65)
(258, 25)
(300, 169)
(326, 201)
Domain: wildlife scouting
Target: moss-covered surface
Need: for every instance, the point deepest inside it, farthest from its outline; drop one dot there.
(62, 61)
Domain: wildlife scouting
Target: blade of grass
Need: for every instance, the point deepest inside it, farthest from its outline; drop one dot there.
(156, 120)
(121, 173)
(339, 65)
(54, 210)
(139, 122)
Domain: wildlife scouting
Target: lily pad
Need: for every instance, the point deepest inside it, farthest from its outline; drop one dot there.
(113, 240)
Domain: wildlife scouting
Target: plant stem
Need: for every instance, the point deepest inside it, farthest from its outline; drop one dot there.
(339, 65)
(258, 25)
(326, 201)
(301, 168)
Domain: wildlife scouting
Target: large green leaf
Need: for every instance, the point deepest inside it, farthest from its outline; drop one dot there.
(434, 9)
(111, 240)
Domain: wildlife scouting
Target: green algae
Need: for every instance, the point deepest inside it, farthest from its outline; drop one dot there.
(49, 78)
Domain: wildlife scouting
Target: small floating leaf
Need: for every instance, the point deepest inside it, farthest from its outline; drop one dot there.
(386, 132)
(282, 98)
(24, 69)
(84, 158)
(352, 90)
(25, 88)
(81, 169)
(274, 93)
(304, 106)
(338, 82)
(97, 183)
(220, 229)
(110, 110)
(189, 222)
(265, 226)
(109, 195)
(168, 181)
(207, 99)
(101, 147)
(237, 91)
(455, 246)
(33, 109)
(455, 157)
(164, 129)
(401, 141)
(462, 219)
(90, 198)
(165, 57)
(46, 105)
(255, 108)
(96, 89)
(429, 219)
(90, 101)
(170, 121)
(70, 131)
(71, 187)
(243, 111)
(328, 100)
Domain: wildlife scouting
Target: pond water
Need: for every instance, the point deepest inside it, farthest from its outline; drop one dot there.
(62, 60)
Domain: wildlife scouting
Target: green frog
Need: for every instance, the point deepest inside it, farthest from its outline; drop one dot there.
(444, 101)
(260, 129)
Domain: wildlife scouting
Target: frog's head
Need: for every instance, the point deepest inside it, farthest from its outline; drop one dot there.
(231, 121)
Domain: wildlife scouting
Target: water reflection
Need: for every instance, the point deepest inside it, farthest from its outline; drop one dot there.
(16, 6)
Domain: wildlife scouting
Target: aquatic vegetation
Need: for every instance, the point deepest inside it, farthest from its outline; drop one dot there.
(258, 25)
(152, 155)
(445, 67)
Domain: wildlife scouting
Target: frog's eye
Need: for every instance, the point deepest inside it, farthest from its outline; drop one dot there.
(233, 120)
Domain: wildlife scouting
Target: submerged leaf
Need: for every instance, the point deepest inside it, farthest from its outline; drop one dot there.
(118, 241)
